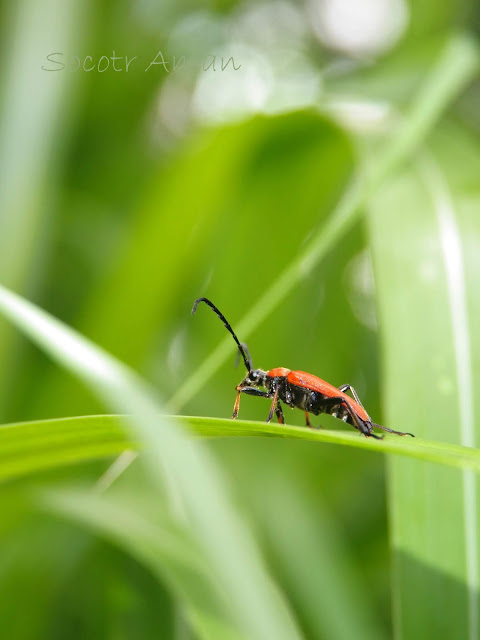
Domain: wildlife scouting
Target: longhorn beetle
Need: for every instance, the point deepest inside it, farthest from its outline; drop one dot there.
(299, 389)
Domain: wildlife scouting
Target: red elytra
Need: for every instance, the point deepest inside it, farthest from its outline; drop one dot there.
(309, 381)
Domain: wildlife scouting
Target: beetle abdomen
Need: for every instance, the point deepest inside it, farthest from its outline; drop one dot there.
(303, 398)
(313, 402)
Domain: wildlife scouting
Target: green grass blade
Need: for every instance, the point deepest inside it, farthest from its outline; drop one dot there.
(255, 608)
(30, 447)
(150, 537)
(428, 319)
(455, 68)
(28, 128)
(30, 131)
(315, 562)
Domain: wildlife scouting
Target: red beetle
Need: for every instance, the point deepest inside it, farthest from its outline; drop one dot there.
(301, 390)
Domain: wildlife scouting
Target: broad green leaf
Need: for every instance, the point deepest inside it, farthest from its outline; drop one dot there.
(197, 489)
(425, 232)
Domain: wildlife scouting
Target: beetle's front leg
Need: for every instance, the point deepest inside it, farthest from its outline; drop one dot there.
(236, 405)
(279, 413)
(251, 391)
(274, 402)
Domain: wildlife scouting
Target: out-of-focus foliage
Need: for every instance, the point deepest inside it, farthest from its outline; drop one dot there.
(125, 195)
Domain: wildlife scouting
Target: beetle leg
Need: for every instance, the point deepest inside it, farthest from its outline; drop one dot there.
(346, 387)
(279, 413)
(359, 423)
(251, 391)
(362, 426)
(236, 405)
(274, 402)
(309, 424)
(399, 433)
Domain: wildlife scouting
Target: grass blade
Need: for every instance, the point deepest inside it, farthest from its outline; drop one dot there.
(316, 563)
(31, 124)
(150, 537)
(427, 321)
(254, 606)
(30, 447)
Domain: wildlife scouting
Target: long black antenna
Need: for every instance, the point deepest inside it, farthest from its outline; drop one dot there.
(247, 361)
(247, 351)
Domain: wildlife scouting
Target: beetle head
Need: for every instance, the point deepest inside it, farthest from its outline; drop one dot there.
(254, 378)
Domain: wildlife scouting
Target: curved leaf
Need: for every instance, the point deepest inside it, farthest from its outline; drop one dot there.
(30, 447)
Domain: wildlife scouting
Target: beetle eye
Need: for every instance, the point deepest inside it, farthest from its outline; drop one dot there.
(254, 375)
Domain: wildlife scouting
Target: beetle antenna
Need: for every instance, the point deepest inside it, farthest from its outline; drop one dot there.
(247, 361)
(237, 357)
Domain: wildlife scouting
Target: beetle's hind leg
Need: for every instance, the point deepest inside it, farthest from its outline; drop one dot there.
(399, 433)
(329, 405)
(348, 387)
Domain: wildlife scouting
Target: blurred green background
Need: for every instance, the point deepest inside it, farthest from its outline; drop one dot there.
(126, 195)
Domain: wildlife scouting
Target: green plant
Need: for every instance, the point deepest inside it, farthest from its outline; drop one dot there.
(222, 536)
